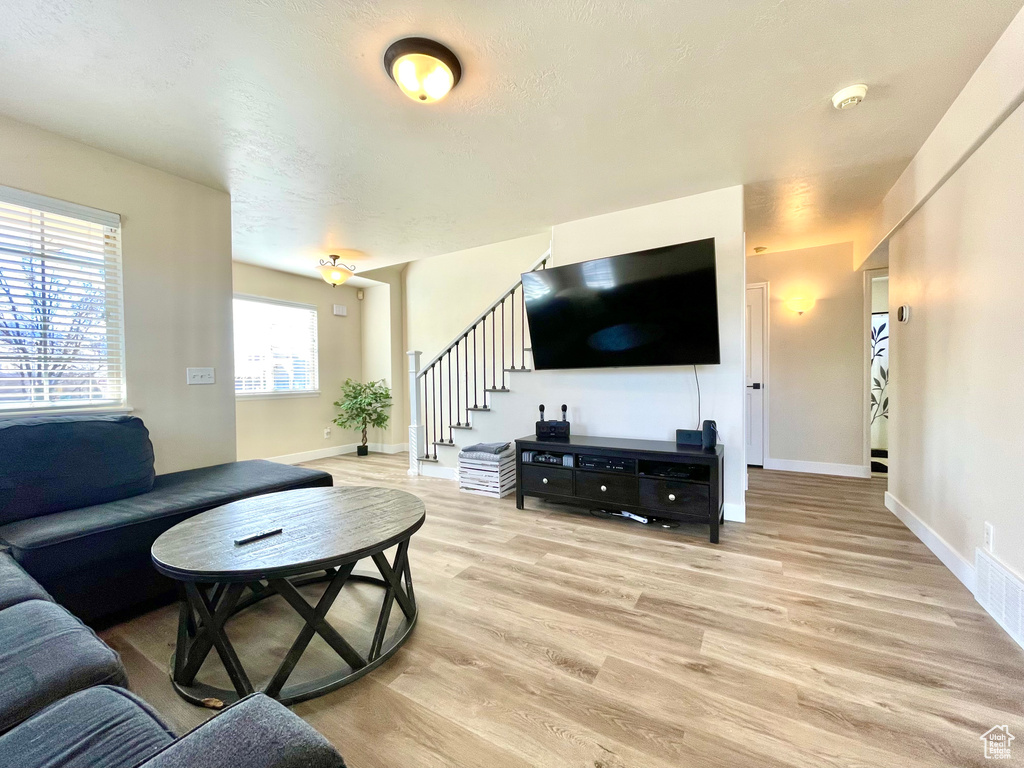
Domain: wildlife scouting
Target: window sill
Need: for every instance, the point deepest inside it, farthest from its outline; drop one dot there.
(276, 395)
(96, 410)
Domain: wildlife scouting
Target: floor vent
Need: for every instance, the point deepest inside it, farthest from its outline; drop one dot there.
(1001, 593)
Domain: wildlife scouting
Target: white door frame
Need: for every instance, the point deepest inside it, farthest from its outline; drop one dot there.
(765, 387)
(869, 275)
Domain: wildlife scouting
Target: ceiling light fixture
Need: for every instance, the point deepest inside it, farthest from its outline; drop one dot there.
(334, 273)
(424, 70)
(850, 96)
(760, 249)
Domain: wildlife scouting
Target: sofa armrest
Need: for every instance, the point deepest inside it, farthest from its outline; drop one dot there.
(256, 732)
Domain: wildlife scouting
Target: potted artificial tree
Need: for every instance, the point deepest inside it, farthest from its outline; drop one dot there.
(362, 406)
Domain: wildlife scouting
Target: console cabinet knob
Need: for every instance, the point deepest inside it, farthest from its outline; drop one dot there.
(671, 497)
(544, 480)
(604, 487)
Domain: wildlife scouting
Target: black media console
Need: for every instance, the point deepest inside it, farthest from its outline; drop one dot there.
(652, 477)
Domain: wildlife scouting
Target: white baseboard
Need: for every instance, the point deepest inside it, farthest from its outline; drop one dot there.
(818, 467)
(957, 563)
(429, 469)
(734, 513)
(389, 449)
(336, 450)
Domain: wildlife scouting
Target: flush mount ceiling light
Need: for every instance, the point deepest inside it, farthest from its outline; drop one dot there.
(334, 273)
(760, 249)
(424, 70)
(850, 96)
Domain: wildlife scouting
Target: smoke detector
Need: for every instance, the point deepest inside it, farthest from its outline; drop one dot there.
(850, 96)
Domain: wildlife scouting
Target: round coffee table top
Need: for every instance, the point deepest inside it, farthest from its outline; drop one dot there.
(320, 528)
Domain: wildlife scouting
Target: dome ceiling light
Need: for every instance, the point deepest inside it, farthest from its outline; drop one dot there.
(334, 273)
(424, 70)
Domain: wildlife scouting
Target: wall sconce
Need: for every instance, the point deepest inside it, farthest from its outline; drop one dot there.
(799, 305)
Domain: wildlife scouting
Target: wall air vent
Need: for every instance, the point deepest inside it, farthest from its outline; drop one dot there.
(1001, 593)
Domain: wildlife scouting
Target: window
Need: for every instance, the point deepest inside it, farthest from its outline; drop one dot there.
(61, 315)
(275, 347)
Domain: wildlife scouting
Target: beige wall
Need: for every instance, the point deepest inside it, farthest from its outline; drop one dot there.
(281, 425)
(444, 294)
(176, 244)
(383, 346)
(816, 360)
(956, 432)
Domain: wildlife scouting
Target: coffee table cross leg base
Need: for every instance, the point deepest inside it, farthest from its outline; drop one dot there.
(207, 608)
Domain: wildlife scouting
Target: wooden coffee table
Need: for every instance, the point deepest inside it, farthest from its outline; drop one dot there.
(314, 534)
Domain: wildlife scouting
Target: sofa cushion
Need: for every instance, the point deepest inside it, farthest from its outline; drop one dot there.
(16, 586)
(45, 655)
(49, 464)
(68, 541)
(100, 727)
(255, 732)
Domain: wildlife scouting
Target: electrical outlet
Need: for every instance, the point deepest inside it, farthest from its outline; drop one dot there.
(989, 537)
(327, 433)
(200, 376)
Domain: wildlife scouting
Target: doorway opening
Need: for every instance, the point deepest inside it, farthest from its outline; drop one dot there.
(879, 370)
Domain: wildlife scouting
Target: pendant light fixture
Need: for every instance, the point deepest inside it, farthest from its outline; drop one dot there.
(334, 273)
(424, 70)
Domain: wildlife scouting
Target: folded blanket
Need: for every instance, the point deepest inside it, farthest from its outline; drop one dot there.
(492, 458)
(494, 448)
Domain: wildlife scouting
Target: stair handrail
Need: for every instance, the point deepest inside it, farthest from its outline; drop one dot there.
(479, 318)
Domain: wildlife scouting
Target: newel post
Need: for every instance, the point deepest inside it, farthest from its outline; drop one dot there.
(416, 446)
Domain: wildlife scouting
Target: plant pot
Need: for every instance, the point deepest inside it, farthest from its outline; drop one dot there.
(363, 450)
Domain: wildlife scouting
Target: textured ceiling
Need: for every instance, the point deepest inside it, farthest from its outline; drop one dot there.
(567, 108)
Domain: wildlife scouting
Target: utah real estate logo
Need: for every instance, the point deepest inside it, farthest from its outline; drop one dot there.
(997, 742)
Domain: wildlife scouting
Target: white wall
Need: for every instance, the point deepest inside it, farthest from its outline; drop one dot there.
(994, 91)
(956, 430)
(635, 402)
(816, 360)
(176, 245)
(276, 426)
(444, 294)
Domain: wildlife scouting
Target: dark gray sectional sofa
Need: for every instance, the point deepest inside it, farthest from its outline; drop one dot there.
(80, 506)
(63, 703)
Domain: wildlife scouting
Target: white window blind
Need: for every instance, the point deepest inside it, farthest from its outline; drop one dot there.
(275, 346)
(61, 308)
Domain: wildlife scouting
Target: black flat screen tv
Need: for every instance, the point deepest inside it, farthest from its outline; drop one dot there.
(656, 307)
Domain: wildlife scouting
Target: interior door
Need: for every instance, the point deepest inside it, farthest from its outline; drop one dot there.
(754, 411)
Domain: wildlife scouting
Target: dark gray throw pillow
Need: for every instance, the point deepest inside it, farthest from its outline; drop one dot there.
(49, 464)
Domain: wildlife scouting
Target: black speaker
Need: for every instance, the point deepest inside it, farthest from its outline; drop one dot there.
(689, 437)
(709, 435)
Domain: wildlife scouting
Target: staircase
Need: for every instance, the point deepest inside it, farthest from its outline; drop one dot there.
(462, 379)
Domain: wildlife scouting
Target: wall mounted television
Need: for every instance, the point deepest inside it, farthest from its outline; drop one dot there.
(655, 307)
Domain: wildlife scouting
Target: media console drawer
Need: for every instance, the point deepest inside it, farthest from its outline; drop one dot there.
(547, 479)
(677, 496)
(606, 488)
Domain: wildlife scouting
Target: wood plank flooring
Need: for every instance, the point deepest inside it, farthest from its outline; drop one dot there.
(819, 633)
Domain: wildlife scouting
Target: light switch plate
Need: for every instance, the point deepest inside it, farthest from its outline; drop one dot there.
(200, 376)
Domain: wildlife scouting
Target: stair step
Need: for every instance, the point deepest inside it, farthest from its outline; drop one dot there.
(518, 370)
(479, 408)
(445, 444)
(497, 389)
(461, 426)
(431, 459)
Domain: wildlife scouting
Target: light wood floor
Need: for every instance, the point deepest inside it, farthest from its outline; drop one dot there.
(819, 633)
